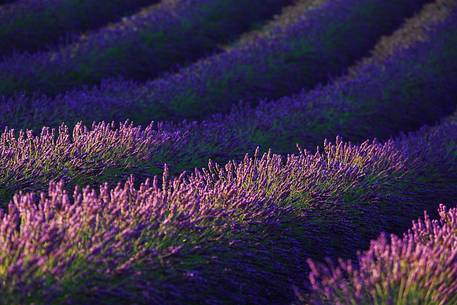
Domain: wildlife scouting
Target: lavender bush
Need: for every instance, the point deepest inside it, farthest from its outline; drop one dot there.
(419, 268)
(152, 41)
(30, 25)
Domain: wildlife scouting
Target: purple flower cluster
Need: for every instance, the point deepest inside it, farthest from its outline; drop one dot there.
(311, 42)
(150, 42)
(50, 242)
(29, 25)
(419, 268)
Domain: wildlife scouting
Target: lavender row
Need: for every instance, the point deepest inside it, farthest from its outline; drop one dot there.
(54, 246)
(419, 268)
(87, 157)
(311, 42)
(154, 40)
(30, 25)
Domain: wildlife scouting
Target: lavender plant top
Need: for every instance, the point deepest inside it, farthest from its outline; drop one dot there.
(141, 46)
(54, 246)
(309, 43)
(419, 268)
(27, 160)
(30, 25)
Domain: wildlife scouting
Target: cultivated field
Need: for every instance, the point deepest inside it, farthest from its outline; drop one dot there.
(298, 152)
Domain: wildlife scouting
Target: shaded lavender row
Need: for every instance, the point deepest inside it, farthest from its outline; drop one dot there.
(306, 119)
(152, 41)
(419, 268)
(54, 247)
(409, 81)
(29, 25)
(311, 42)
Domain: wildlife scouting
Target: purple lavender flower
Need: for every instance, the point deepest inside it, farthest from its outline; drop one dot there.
(28, 161)
(419, 268)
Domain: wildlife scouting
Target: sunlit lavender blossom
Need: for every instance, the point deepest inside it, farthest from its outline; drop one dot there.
(417, 269)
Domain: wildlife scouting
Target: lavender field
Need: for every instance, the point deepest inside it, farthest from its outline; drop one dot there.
(299, 152)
